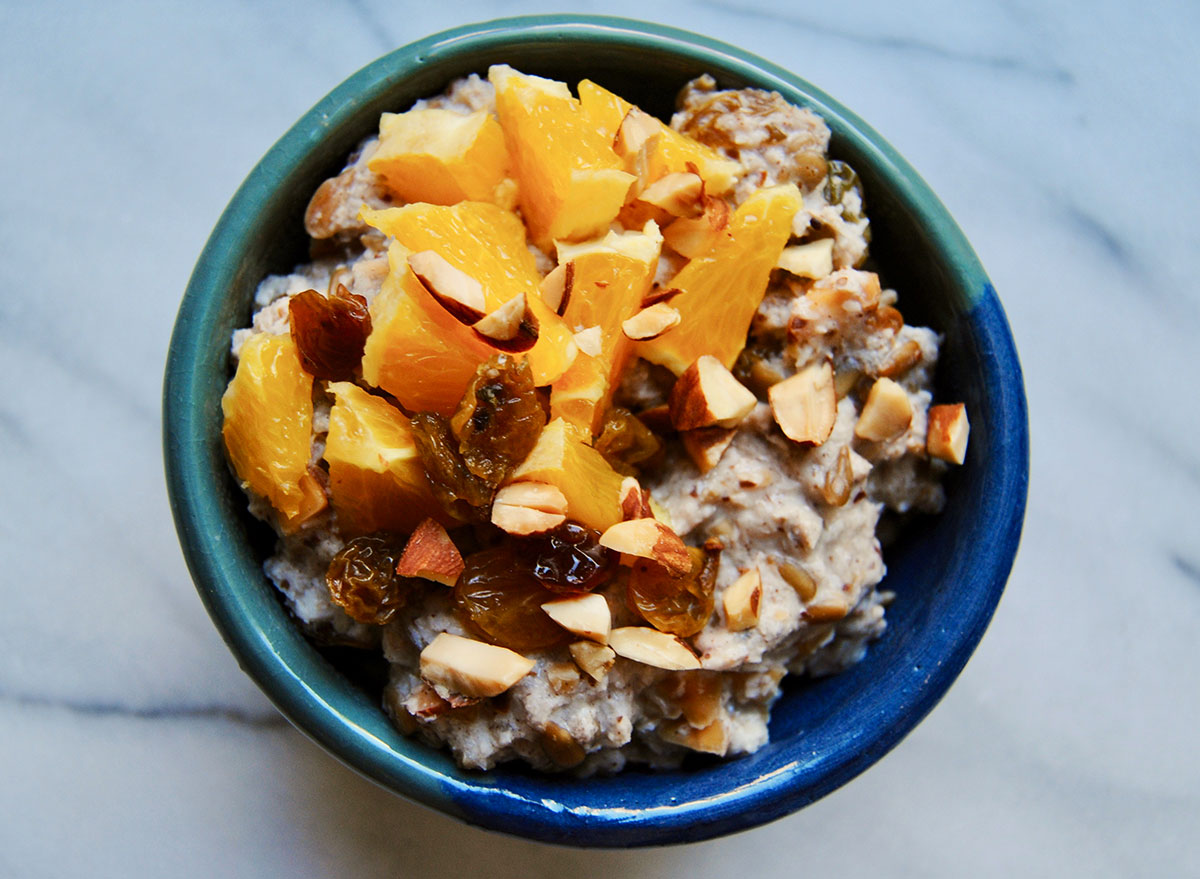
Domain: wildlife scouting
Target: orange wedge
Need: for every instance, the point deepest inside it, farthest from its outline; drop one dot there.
(722, 287)
(443, 157)
(268, 428)
(570, 181)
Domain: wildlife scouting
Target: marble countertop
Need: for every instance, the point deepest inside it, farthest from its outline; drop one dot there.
(1063, 138)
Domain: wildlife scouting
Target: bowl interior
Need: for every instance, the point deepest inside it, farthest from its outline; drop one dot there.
(947, 571)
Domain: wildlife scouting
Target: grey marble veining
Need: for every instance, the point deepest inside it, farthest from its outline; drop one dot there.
(1063, 138)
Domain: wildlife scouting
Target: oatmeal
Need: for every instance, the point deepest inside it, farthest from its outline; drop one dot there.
(587, 422)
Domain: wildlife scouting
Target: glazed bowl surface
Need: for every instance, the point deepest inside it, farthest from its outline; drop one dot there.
(948, 571)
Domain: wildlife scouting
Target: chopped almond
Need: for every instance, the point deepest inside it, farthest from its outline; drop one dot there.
(556, 287)
(651, 322)
(887, 412)
(590, 341)
(805, 405)
(431, 555)
(454, 289)
(948, 432)
(471, 668)
(692, 236)
(594, 659)
(585, 615)
(800, 580)
(636, 128)
(635, 500)
(741, 601)
(827, 610)
(706, 445)
(707, 395)
(677, 194)
(525, 508)
(901, 359)
(652, 647)
(511, 327)
(649, 539)
(812, 260)
(712, 739)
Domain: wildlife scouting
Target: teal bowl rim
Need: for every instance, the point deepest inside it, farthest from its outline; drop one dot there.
(310, 692)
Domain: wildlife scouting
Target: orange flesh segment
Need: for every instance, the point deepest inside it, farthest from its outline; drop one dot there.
(443, 157)
(376, 479)
(563, 458)
(488, 243)
(673, 151)
(268, 415)
(571, 183)
(721, 289)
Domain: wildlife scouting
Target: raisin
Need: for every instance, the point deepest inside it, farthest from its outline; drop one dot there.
(330, 332)
(625, 441)
(841, 180)
(461, 493)
(677, 605)
(567, 559)
(498, 597)
(499, 419)
(362, 578)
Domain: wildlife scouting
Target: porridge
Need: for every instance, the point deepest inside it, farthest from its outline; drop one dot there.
(586, 422)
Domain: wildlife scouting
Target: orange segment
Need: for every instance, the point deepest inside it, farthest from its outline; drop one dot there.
(416, 351)
(670, 154)
(562, 458)
(571, 182)
(611, 278)
(376, 480)
(722, 287)
(268, 428)
(443, 157)
(488, 243)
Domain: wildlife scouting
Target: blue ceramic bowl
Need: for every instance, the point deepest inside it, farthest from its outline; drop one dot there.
(948, 572)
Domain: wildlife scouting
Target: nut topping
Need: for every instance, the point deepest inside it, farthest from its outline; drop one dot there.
(471, 668)
(812, 260)
(651, 322)
(742, 601)
(585, 615)
(431, 555)
(511, 327)
(556, 287)
(454, 289)
(677, 194)
(706, 445)
(649, 539)
(590, 341)
(635, 500)
(593, 659)
(708, 395)
(652, 647)
(887, 412)
(805, 405)
(692, 236)
(948, 431)
(525, 508)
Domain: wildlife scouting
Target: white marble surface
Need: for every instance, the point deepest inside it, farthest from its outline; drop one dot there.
(1063, 136)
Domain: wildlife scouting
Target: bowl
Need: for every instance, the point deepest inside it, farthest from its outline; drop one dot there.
(948, 571)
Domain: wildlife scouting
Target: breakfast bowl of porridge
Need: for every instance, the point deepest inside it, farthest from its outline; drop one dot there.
(594, 432)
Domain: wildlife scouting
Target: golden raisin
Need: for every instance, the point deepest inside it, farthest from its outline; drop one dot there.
(499, 419)
(362, 578)
(497, 596)
(330, 332)
(625, 441)
(677, 605)
(461, 493)
(567, 559)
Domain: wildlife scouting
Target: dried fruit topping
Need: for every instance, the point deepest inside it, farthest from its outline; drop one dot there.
(842, 180)
(624, 441)
(498, 596)
(567, 559)
(677, 605)
(461, 493)
(330, 332)
(499, 419)
(362, 578)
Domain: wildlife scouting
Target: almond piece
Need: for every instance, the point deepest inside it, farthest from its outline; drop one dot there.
(805, 405)
(901, 359)
(636, 128)
(511, 327)
(563, 677)
(635, 500)
(827, 610)
(649, 539)
(593, 659)
(586, 615)
(701, 698)
(431, 555)
(678, 194)
(708, 395)
(590, 341)
(839, 479)
(651, 322)
(471, 668)
(712, 739)
(887, 412)
(800, 580)
(812, 260)
(454, 289)
(652, 647)
(706, 445)
(741, 601)
(525, 508)
(692, 236)
(556, 287)
(948, 432)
